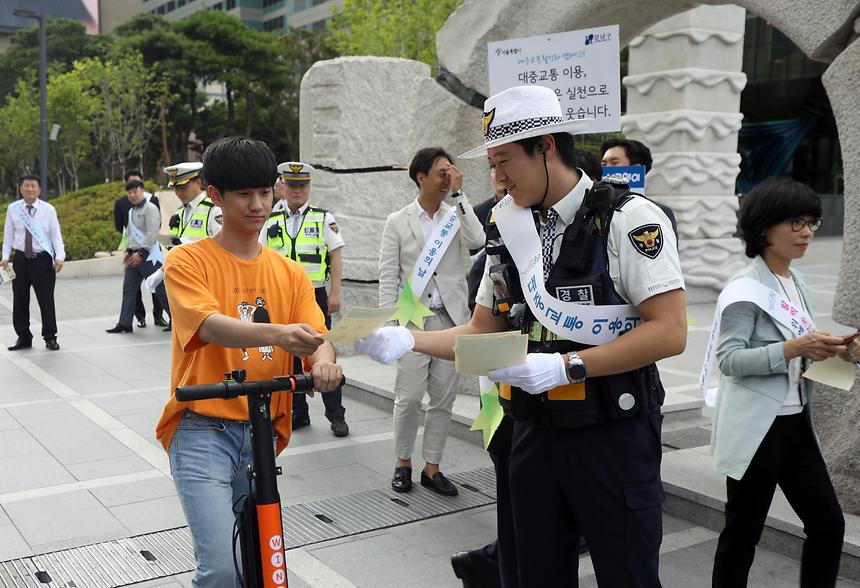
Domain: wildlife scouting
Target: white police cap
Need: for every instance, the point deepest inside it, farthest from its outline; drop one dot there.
(182, 173)
(295, 171)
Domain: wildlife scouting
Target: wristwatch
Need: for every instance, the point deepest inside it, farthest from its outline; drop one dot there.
(576, 368)
(457, 194)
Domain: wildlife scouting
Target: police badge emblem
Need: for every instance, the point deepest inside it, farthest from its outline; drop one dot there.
(487, 120)
(647, 239)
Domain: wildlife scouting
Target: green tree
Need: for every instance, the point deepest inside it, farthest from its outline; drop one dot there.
(19, 127)
(130, 96)
(72, 105)
(391, 28)
(247, 62)
(67, 42)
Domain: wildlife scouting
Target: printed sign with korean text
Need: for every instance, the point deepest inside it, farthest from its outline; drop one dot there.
(581, 67)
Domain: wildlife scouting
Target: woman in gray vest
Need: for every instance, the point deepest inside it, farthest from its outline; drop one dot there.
(763, 435)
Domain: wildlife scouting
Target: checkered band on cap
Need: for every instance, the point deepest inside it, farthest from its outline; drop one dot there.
(518, 126)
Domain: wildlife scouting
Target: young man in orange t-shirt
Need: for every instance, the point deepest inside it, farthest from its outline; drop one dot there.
(237, 305)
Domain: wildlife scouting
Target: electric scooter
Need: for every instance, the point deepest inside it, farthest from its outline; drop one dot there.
(258, 526)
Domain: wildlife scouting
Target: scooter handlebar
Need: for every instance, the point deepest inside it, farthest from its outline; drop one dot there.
(233, 389)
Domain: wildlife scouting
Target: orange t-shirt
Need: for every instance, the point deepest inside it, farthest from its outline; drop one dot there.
(203, 279)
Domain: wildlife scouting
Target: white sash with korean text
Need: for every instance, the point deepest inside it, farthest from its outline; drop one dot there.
(778, 307)
(34, 229)
(440, 238)
(156, 253)
(591, 325)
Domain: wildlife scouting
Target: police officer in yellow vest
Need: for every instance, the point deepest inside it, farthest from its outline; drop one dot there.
(310, 236)
(198, 217)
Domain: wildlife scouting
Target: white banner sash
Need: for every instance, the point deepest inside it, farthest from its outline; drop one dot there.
(435, 247)
(778, 307)
(156, 253)
(34, 230)
(591, 325)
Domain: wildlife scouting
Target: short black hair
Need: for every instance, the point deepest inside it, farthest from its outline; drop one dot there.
(564, 142)
(131, 172)
(590, 164)
(238, 163)
(23, 179)
(423, 160)
(637, 152)
(771, 202)
(133, 185)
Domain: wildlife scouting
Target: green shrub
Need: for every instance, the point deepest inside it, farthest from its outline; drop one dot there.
(86, 219)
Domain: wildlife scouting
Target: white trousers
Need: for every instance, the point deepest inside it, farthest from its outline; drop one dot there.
(418, 374)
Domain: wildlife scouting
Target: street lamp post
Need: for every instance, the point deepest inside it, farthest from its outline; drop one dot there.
(43, 94)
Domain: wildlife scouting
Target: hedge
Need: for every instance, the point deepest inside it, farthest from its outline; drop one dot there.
(86, 219)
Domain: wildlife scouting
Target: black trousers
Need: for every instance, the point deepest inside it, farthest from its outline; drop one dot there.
(36, 272)
(602, 482)
(788, 457)
(140, 311)
(132, 279)
(503, 551)
(333, 400)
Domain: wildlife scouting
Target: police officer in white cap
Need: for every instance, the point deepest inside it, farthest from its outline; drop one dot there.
(590, 273)
(310, 236)
(198, 217)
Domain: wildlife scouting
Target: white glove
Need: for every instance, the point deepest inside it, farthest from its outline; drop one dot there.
(154, 279)
(540, 372)
(387, 344)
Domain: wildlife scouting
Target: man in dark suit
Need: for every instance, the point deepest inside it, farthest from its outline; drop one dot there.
(120, 221)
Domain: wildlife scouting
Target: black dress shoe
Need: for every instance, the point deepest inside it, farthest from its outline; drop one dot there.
(160, 322)
(477, 569)
(402, 481)
(168, 328)
(51, 344)
(300, 420)
(141, 323)
(464, 569)
(339, 427)
(439, 484)
(21, 344)
(120, 329)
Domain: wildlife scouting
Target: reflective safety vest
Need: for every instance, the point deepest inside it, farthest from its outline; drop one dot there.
(196, 225)
(580, 273)
(308, 247)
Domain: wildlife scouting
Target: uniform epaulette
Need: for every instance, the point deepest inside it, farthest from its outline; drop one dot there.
(317, 209)
(275, 213)
(206, 202)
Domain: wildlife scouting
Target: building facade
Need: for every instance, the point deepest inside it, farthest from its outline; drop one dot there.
(262, 15)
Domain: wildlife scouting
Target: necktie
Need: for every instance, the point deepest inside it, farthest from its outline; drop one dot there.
(28, 237)
(548, 238)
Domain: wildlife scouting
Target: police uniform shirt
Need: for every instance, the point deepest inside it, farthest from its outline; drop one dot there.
(642, 248)
(331, 232)
(44, 217)
(213, 225)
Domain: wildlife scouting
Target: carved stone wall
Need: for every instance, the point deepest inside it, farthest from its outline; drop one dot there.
(683, 96)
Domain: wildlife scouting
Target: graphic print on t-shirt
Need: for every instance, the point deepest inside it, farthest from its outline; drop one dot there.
(261, 315)
(246, 313)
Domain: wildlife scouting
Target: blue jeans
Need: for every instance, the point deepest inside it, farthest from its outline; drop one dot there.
(208, 461)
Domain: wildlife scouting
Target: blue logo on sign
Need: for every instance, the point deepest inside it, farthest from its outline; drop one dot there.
(634, 175)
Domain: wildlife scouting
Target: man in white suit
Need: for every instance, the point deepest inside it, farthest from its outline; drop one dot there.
(404, 260)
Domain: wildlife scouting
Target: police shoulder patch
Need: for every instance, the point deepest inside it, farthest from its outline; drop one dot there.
(333, 227)
(219, 219)
(647, 239)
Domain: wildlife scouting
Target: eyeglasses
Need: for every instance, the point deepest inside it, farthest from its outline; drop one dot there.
(797, 224)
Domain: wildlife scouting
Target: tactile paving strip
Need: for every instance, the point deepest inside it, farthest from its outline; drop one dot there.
(122, 562)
